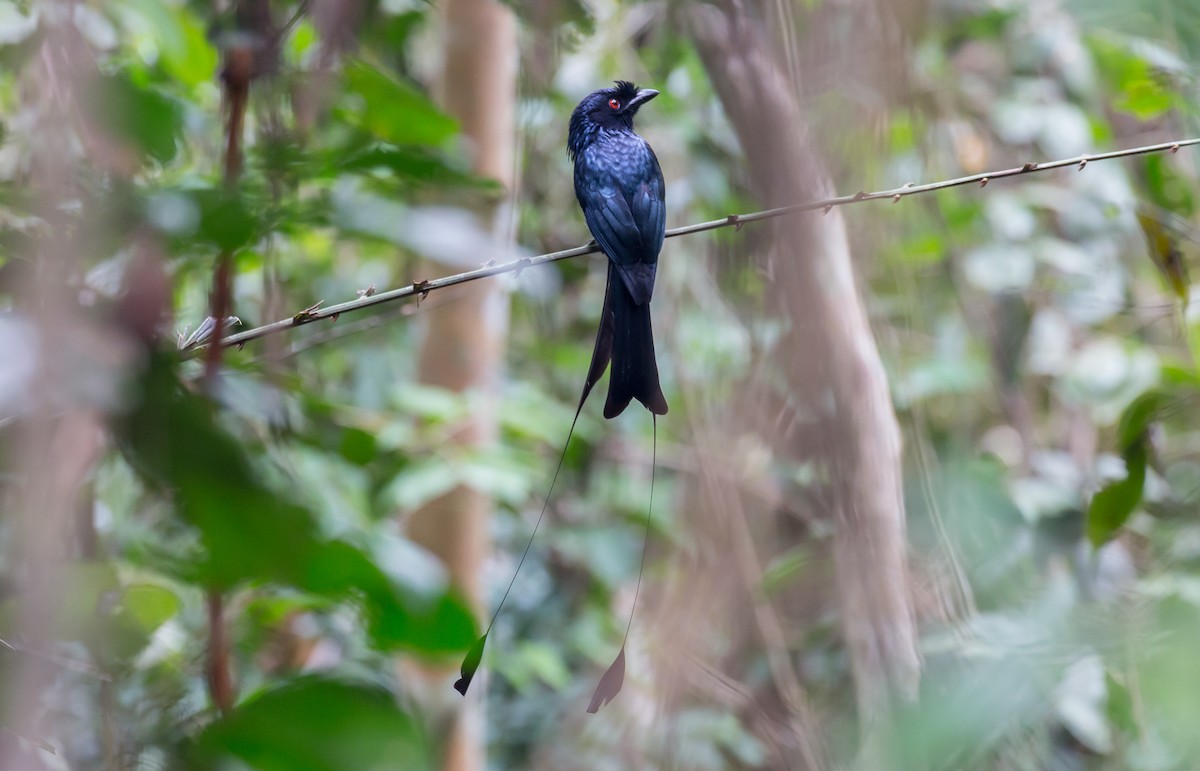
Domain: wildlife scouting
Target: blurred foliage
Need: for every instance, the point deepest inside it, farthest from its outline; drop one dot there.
(1039, 338)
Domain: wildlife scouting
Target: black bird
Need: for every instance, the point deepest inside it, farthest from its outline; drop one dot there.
(620, 187)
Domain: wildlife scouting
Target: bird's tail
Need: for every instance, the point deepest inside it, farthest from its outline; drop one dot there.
(634, 368)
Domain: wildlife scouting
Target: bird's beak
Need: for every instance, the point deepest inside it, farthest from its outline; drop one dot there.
(643, 96)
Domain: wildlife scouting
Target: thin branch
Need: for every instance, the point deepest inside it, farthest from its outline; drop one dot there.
(73, 665)
(301, 10)
(422, 288)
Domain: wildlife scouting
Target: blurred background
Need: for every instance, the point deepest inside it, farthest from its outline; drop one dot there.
(925, 497)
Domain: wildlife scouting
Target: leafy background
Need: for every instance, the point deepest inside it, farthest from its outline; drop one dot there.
(1038, 336)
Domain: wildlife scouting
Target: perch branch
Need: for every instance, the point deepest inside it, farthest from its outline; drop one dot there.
(422, 288)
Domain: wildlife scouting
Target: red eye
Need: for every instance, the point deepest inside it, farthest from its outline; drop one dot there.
(613, 103)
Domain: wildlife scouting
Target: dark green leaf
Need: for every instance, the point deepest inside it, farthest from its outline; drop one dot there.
(1111, 507)
(314, 724)
(439, 624)
(392, 110)
(398, 618)
(1137, 417)
(227, 220)
(358, 446)
(411, 164)
(141, 116)
(392, 32)
(172, 438)
(252, 533)
(986, 25)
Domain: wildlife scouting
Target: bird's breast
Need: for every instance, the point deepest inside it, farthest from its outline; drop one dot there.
(621, 154)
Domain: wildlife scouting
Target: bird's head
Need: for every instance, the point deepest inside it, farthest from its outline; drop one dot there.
(609, 108)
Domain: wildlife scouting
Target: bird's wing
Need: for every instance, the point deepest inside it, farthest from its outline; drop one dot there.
(617, 228)
(611, 222)
(648, 206)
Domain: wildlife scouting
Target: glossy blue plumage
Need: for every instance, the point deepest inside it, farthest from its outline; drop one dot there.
(620, 188)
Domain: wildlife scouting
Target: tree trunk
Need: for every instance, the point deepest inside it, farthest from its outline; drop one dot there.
(59, 437)
(833, 367)
(463, 343)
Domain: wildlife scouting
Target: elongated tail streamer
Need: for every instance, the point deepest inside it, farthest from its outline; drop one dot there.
(614, 677)
(471, 661)
(601, 355)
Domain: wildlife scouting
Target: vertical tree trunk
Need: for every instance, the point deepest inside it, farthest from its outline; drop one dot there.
(59, 438)
(463, 342)
(833, 366)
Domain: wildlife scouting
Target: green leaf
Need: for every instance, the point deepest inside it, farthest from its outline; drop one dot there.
(392, 32)
(1144, 98)
(1181, 374)
(358, 446)
(1120, 708)
(147, 119)
(142, 609)
(1111, 507)
(227, 220)
(431, 625)
(1138, 87)
(411, 164)
(1137, 417)
(983, 25)
(171, 437)
(314, 724)
(252, 533)
(149, 605)
(179, 37)
(393, 111)
(419, 483)
(1167, 189)
(398, 616)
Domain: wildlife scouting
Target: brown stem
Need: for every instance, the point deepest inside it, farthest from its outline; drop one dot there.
(236, 75)
(239, 68)
(221, 303)
(219, 674)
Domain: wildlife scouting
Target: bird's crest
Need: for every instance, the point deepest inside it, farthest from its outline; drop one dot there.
(624, 90)
(595, 112)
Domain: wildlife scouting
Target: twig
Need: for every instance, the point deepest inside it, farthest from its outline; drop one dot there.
(735, 221)
(73, 665)
(301, 9)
